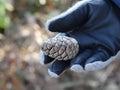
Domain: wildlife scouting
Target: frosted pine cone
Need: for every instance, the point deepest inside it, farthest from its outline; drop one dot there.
(61, 47)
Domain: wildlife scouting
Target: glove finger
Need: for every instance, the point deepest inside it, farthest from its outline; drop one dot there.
(77, 64)
(58, 67)
(98, 60)
(70, 19)
(44, 59)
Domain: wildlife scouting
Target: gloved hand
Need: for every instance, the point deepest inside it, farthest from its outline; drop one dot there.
(95, 24)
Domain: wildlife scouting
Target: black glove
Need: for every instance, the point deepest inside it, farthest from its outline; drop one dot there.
(95, 24)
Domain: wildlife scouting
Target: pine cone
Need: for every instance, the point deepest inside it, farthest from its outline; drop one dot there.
(61, 47)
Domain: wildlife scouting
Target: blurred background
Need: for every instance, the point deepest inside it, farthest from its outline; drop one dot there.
(22, 33)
